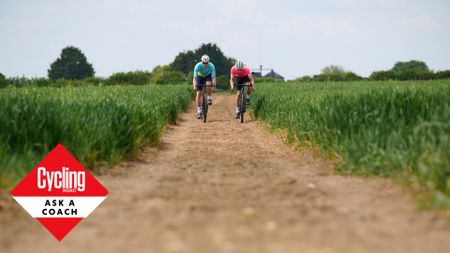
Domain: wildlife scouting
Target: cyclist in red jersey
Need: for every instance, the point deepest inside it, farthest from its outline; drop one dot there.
(243, 76)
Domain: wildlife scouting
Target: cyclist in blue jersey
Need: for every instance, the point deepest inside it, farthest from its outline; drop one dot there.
(204, 73)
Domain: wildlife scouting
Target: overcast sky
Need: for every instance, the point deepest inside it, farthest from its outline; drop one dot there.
(294, 37)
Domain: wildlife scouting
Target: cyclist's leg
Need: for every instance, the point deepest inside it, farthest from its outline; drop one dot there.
(238, 95)
(209, 88)
(209, 91)
(247, 81)
(198, 87)
(208, 80)
(198, 98)
(238, 85)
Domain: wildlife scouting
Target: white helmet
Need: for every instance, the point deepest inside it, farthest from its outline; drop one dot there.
(239, 65)
(205, 58)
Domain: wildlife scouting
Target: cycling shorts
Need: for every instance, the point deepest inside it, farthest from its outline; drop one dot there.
(199, 81)
(241, 81)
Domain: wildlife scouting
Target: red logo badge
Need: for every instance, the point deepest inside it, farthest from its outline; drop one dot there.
(59, 192)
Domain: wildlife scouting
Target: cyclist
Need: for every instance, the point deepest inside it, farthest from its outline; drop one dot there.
(243, 76)
(204, 73)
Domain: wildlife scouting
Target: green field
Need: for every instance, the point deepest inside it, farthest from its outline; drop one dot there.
(395, 129)
(96, 124)
(398, 129)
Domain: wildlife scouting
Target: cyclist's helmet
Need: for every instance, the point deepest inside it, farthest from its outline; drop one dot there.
(205, 58)
(239, 65)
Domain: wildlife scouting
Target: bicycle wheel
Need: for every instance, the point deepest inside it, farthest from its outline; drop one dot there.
(242, 105)
(204, 106)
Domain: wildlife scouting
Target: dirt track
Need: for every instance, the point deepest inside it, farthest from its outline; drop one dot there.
(230, 187)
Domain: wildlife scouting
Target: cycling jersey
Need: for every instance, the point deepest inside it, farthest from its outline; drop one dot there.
(201, 71)
(239, 74)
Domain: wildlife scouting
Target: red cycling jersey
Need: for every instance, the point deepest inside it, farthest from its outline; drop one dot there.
(244, 72)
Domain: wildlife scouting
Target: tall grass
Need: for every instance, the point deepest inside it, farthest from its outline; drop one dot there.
(96, 124)
(389, 129)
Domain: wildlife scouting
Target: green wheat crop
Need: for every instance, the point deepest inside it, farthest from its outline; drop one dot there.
(375, 128)
(96, 124)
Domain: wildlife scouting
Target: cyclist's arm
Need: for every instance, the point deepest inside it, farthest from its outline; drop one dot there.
(196, 69)
(213, 70)
(231, 79)
(250, 76)
(213, 73)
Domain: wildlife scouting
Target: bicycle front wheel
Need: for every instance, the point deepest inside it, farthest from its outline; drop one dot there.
(242, 105)
(204, 107)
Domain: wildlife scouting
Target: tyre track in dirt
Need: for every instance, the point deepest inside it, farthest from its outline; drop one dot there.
(230, 187)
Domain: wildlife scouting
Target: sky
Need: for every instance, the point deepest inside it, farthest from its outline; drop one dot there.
(293, 37)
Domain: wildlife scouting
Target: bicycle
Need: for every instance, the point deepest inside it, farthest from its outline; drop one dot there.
(204, 113)
(242, 102)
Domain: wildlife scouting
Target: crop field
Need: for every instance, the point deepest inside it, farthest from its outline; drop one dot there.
(226, 186)
(398, 129)
(96, 124)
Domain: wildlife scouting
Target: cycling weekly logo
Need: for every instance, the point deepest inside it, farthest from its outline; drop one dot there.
(59, 192)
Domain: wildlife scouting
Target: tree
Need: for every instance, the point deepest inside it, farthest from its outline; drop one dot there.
(336, 73)
(411, 70)
(132, 78)
(333, 70)
(415, 66)
(382, 75)
(303, 79)
(186, 61)
(166, 75)
(72, 65)
(3, 81)
(442, 74)
(351, 76)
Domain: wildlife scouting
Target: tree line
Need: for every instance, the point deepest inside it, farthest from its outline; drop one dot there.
(409, 70)
(72, 68)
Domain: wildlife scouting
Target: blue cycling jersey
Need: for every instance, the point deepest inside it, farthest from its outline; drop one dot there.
(202, 71)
